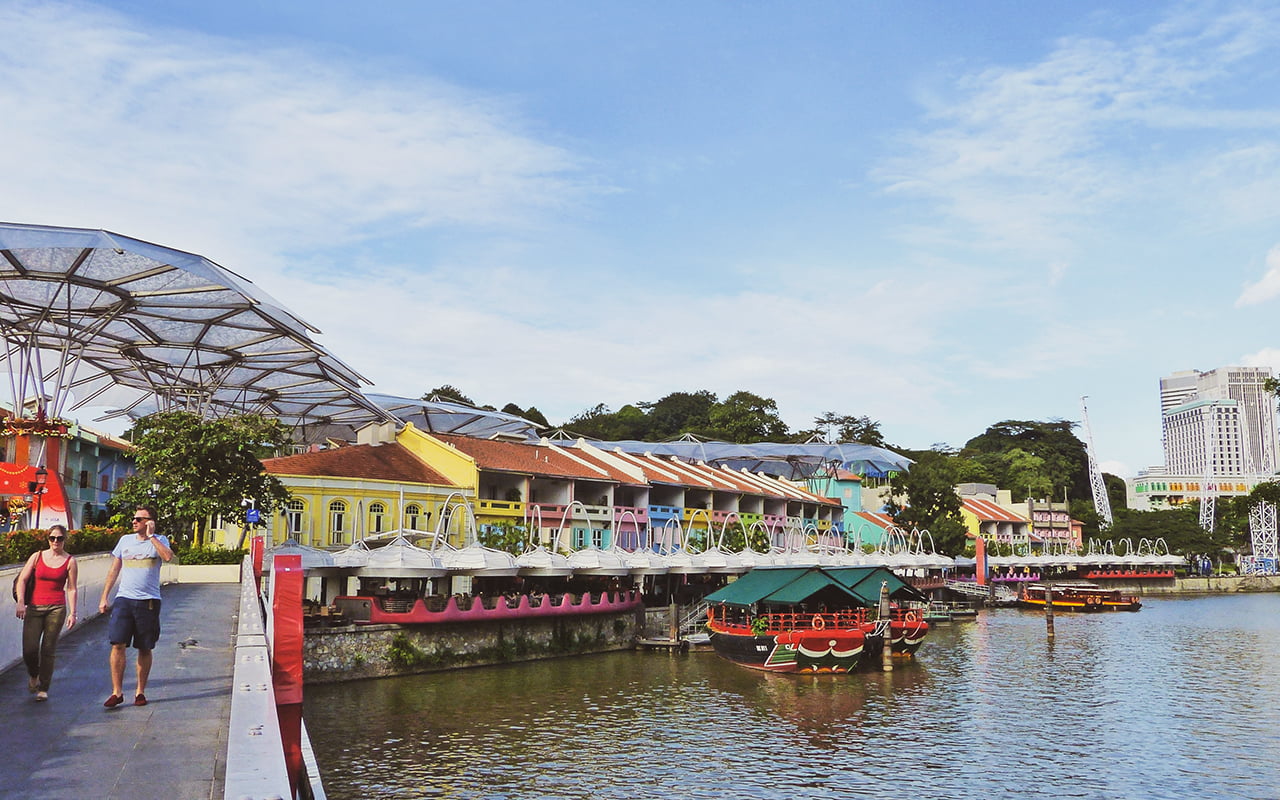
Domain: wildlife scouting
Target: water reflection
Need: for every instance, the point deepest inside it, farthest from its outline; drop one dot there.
(1181, 699)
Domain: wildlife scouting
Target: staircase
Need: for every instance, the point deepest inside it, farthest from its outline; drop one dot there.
(1002, 595)
(693, 620)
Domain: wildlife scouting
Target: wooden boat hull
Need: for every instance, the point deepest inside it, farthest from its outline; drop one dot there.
(802, 651)
(1079, 597)
(828, 650)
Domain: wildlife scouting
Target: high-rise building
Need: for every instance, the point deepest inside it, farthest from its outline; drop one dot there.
(1225, 415)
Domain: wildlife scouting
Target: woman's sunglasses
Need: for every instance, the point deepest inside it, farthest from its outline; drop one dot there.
(56, 538)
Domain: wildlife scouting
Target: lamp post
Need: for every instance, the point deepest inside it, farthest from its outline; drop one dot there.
(42, 477)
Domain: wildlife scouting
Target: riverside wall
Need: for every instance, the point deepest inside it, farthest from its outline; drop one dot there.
(353, 652)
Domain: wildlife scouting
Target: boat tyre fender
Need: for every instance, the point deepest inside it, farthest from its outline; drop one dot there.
(818, 622)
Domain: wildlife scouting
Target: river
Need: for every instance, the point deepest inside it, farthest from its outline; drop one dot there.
(1180, 700)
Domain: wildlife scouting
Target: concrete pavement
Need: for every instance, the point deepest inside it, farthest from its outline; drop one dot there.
(173, 748)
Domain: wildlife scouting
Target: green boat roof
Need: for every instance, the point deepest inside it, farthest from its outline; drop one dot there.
(794, 585)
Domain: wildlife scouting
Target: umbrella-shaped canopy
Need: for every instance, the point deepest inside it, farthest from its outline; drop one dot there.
(312, 557)
(791, 460)
(645, 562)
(594, 561)
(399, 558)
(446, 416)
(357, 555)
(541, 562)
(482, 561)
(118, 322)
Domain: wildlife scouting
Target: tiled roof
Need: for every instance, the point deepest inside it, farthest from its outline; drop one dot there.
(386, 462)
(526, 459)
(876, 518)
(611, 470)
(987, 511)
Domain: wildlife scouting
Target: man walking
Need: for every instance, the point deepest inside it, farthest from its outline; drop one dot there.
(135, 615)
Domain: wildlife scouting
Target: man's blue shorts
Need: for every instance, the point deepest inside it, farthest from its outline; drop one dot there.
(135, 623)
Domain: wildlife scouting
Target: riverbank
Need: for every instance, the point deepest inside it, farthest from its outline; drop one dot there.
(1217, 584)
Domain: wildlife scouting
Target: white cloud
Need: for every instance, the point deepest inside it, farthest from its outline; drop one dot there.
(213, 145)
(1265, 288)
(1266, 357)
(1029, 157)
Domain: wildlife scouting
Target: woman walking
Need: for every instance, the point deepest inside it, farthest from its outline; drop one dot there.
(53, 602)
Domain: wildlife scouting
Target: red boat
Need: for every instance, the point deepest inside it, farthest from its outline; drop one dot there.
(762, 620)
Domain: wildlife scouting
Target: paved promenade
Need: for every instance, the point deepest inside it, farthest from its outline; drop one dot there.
(173, 748)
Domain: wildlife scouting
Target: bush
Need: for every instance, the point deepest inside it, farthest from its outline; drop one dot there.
(209, 555)
(17, 546)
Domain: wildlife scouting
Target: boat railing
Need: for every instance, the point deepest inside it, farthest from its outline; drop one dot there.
(816, 621)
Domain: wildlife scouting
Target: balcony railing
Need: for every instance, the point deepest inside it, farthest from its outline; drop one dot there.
(499, 508)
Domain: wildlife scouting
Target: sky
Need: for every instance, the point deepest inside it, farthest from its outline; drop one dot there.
(938, 215)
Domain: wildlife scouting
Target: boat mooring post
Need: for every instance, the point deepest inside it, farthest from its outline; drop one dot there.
(886, 615)
(674, 629)
(1048, 611)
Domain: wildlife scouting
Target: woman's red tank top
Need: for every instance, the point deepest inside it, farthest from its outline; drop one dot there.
(51, 583)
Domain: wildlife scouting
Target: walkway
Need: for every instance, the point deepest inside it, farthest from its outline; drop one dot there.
(173, 748)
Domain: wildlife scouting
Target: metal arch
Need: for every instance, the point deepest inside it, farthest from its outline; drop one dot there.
(89, 316)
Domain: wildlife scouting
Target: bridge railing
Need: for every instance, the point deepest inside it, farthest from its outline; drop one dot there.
(257, 768)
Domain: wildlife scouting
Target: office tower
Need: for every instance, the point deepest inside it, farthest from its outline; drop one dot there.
(1226, 410)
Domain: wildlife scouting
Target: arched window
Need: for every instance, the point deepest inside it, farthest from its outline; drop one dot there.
(376, 514)
(338, 522)
(412, 514)
(293, 512)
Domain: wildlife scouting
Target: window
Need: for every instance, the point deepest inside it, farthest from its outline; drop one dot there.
(376, 513)
(84, 479)
(337, 522)
(411, 514)
(103, 484)
(293, 512)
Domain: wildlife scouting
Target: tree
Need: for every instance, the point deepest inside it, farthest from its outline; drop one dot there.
(1065, 461)
(1026, 475)
(1179, 527)
(679, 413)
(202, 468)
(745, 418)
(931, 500)
(845, 428)
(448, 393)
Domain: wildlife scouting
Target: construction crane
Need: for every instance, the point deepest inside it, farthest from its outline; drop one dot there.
(1101, 502)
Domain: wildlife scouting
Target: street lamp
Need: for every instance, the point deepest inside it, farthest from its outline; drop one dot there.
(42, 477)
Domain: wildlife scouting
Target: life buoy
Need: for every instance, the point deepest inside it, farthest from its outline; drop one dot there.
(911, 616)
(818, 622)
(1093, 601)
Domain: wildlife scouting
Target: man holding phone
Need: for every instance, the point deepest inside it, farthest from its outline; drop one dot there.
(135, 615)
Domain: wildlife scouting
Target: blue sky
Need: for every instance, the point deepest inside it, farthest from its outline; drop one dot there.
(939, 215)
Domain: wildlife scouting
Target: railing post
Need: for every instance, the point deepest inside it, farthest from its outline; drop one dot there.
(257, 546)
(286, 658)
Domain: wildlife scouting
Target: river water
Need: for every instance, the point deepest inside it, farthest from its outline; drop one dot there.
(1180, 700)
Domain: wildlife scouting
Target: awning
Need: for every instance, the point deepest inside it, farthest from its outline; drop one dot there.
(795, 585)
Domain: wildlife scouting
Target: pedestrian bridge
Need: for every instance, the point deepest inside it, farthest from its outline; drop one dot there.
(209, 730)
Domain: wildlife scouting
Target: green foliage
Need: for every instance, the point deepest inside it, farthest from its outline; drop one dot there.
(406, 655)
(931, 500)
(507, 535)
(834, 427)
(1058, 460)
(209, 555)
(17, 546)
(1179, 527)
(745, 418)
(679, 413)
(449, 394)
(202, 468)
